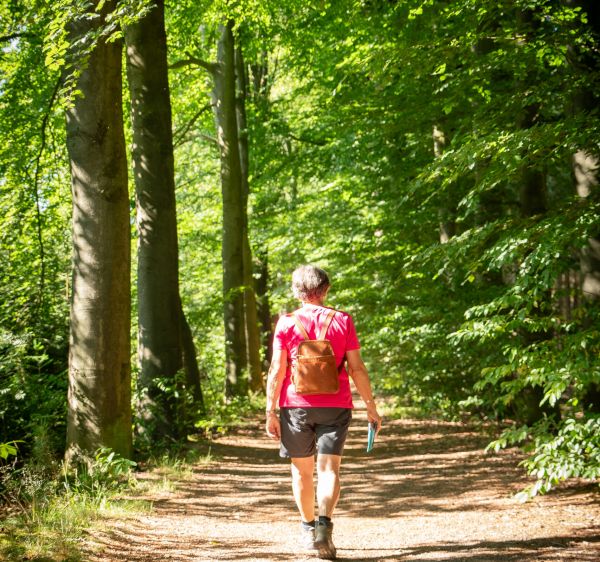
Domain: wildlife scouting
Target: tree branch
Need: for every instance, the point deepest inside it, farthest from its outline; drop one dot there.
(308, 141)
(179, 135)
(6, 38)
(192, 60)
(209, 138)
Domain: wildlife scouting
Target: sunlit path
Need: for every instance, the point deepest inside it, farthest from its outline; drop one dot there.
(428, 493)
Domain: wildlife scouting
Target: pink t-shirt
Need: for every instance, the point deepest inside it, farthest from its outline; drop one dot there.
(342, 335)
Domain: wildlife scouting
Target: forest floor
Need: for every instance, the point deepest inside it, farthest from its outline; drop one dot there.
(426, 492)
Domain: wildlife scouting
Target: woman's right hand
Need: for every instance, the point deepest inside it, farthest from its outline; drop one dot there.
(373, 415)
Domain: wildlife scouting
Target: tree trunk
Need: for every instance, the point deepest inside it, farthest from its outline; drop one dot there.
(233, 215)
(585, 177)
(532, 188)
(490, 205)
(264, 309)
(190, 363)
(260, 85)
(160, 314)
(251, 317)
(445, 212)
(532, 201)
(584, 164)
(99, 396)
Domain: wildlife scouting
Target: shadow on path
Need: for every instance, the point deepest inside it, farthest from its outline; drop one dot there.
(427, 492)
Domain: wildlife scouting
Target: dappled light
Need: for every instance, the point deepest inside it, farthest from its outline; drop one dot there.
(427, 171)
(426, 492)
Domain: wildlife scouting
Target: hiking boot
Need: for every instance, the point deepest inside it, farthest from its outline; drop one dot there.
(323, 541)
(307, 538)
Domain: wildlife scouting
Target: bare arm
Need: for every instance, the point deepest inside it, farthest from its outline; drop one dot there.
(360, 376)
(274, 382)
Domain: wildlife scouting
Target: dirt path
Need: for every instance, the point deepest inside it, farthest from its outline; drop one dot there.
(427, 493)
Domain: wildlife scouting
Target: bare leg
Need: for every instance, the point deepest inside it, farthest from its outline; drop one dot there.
(304, 487)
(328, 485)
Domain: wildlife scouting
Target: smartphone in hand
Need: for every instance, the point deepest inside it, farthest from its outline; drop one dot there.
(371, 436)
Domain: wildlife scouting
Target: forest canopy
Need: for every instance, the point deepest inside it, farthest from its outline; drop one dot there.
(438, 158)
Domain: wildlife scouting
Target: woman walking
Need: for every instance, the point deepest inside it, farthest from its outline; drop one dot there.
(311, 421)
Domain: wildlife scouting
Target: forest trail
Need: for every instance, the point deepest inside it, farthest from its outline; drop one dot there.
(427, 492)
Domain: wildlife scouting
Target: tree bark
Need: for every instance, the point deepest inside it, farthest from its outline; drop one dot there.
(532, 187)
(264, 309)
(532, 202)
(446, 214)
(233, 215)
(190, 363)
(585, 177)
(585, 165)
(161, 319)
(259, 82)
(490, 205)
(99, 396)
(250, 309)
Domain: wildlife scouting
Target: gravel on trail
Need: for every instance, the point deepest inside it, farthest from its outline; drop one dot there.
(427, 492)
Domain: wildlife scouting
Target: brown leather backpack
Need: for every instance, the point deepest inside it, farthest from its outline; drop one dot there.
(315, 370)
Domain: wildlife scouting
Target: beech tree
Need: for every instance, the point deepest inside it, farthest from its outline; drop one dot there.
(585, 163)
(250, 301)
(224, 106)
(228, 95)
(164, 338)
(99, 401)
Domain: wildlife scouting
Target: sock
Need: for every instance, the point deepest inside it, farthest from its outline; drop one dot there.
(324, 520)
(308, 526)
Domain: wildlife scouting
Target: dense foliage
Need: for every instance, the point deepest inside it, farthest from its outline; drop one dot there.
(419, 151)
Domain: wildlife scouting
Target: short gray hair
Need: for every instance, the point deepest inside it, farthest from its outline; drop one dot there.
(309, 282)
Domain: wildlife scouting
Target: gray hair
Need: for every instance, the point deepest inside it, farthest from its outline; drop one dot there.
(309, 282)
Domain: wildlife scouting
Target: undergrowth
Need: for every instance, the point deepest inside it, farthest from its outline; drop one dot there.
(48, 512)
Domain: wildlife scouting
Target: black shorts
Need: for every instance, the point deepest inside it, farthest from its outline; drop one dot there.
(306, 430)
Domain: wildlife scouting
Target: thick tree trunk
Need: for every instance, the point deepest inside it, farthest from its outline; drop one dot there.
(99, 400)
(251, 317)
(160, 315)
(233, 215)
(159, 351)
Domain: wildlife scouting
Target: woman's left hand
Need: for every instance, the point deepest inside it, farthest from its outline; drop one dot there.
(273, 427)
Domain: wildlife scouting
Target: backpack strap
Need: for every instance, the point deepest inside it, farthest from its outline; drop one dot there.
(324, 329)
(326, 324)
(300, 327)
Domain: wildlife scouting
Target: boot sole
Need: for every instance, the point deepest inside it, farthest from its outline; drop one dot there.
(325, 553)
